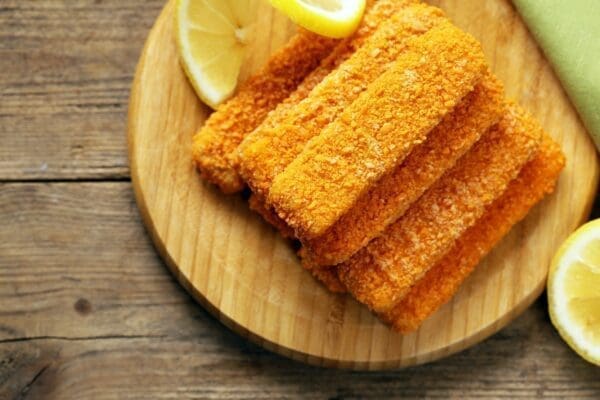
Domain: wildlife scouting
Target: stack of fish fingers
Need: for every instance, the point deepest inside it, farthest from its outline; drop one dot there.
(392, 156)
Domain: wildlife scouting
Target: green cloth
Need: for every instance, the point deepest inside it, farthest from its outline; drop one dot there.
(569, 33)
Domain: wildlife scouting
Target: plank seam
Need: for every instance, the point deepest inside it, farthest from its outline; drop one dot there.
(80, 338)
(8, 181)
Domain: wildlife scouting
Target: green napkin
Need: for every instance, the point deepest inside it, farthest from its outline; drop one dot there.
(569, 33)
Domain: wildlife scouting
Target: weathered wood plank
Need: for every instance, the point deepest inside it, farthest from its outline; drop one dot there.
(76, 262)
(89, 311)
(526, 360)
(64, 87)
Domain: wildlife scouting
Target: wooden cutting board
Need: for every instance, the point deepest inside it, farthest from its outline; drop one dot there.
(237, 267)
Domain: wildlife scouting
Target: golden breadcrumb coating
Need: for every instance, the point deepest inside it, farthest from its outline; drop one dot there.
(374, 16)
(440, 283)
(227, 126)
(272, 146)
(381, 273)
(375, 133)
(214, 146)
(389, 198)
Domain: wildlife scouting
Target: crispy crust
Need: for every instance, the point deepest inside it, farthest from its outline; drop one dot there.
(374, 16)
(440, 283)
(381, 273)
(375, 134)
(379, 12)
(272, 146)
(292, 71)
(389, 198)
(227, 126)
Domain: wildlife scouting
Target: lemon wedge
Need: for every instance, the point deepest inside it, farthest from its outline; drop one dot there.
(574, 291)
(332, 18)
(212, 36)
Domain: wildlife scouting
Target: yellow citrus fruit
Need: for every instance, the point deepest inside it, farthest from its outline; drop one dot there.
(332, 18)
(574, 291)
(212, 36)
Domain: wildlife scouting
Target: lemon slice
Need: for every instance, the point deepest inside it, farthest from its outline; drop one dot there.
(212, 36)
(574, 291)
(333, 18)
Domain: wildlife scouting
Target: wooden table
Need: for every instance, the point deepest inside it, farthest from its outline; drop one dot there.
(88, 310)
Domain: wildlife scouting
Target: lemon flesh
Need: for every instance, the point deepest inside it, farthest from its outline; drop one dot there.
(574, 291)
(212, 36)
(332, 18)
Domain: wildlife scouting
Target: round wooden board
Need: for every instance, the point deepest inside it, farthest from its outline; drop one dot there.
(236, 266)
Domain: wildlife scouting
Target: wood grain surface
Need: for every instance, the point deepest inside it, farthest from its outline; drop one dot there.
(88, 310)
(243, 272)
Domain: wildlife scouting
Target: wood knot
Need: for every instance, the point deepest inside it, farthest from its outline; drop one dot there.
(83, 307)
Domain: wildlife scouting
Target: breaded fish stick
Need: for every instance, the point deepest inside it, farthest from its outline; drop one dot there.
(389, 198)
(214, 145)
(381, 11)
(381, 273)
(440, 283)
(374, 17)
(227, 126)
(376, 133)
(273, 145)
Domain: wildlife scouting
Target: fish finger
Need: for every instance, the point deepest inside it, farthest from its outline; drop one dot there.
(381, 11)
(290, 74)
(536, 179)
(226, 127)
(389, 198)
(381, 274)
(376, 133)
(272, 146)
